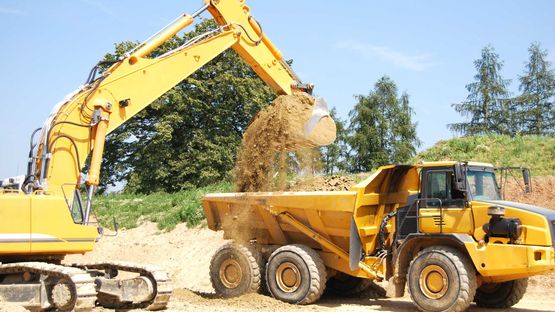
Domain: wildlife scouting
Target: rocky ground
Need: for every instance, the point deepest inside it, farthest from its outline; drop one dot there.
(186, 253)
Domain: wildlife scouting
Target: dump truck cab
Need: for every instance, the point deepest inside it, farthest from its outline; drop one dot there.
(458, 205)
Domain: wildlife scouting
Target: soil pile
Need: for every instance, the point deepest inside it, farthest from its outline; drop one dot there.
(185, 253)
(543, 192)
(323, 183)
(278, 128)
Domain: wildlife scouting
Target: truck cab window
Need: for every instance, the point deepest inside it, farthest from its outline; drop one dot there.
(440, 184)
(482, 185)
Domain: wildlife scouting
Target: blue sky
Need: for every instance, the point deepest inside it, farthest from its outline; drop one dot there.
(426, 47)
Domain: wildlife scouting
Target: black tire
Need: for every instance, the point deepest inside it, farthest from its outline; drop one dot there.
(235, 270)
(343, 285)
(501, 295)
(295, 274)
(441, 279)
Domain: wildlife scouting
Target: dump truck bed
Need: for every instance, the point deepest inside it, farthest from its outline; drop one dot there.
(246, 216)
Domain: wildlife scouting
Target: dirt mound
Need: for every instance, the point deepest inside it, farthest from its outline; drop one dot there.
(186, 253)
(183, 252)
(543, 192)
(323, 183)
(9, 307)
(278, 127)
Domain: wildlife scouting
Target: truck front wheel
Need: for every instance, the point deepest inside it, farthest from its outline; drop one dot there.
(441, 279)
(501, 295)
(295, 274)
(235, 270)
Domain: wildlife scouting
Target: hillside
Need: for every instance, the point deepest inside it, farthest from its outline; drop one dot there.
(536, 153)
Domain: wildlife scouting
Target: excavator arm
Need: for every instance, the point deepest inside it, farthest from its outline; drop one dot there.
(80, 124)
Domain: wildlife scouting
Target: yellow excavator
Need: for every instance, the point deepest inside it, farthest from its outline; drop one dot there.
(49, 217)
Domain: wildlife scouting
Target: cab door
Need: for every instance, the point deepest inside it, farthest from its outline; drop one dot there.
(442, 207)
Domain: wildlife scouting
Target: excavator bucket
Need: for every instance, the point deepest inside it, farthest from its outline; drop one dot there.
(297, 121)
(320, 128)
(306, 122)
(291, 123)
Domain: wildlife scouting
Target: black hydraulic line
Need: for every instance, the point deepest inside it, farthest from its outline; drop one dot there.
(31, 147)
(94, 70)
(383, 225)
(59, 123)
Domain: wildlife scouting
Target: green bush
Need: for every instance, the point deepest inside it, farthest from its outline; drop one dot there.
(167, 210)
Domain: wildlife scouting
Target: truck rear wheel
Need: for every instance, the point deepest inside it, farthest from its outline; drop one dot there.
(501, 295)
(235, 270)
(295, 274)
(441, 279)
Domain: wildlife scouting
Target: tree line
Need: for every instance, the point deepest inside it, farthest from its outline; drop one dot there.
(491, 109)
(190, 136)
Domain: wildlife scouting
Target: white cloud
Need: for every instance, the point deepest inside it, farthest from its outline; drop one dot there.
(418, 62)
(100, 6)
(9, 11)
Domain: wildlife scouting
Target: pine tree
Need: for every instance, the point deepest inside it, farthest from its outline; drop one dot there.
(487, 105)
(381, 130)
(537, 85)
(404, 131)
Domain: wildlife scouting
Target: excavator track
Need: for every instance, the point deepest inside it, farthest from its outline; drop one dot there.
(160, 280)
(73, 289)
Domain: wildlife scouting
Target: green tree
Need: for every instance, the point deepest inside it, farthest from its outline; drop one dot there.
(403, 129)
(189, 136)
(334, 155)
(381, 130)
(487, 105)
(537, 85)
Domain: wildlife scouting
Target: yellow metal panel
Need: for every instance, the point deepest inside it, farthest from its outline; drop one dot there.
(272, 225)
(15, 224)
(505, 261)
(53, 225)
(258, 56)
(536, 227)
(325, 201)
(455, 220)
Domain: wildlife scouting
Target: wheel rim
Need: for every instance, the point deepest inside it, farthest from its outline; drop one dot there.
(231, 273)
(434, 282)
(288, 277)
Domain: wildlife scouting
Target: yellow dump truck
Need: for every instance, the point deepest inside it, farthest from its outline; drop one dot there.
(441, 227)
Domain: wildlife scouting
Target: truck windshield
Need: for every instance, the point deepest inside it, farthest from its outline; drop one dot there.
(483, 185)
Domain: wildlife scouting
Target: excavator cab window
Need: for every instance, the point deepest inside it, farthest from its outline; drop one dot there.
(76, 208)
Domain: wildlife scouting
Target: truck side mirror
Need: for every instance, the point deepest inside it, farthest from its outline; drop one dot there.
(460, 177)
(527, 182)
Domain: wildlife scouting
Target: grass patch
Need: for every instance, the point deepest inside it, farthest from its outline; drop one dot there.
(167, 210)
(534, 152)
